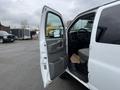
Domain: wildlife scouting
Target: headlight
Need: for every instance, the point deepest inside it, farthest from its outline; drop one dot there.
(5, 37)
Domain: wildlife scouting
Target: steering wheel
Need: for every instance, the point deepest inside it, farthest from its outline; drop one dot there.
(82, 30)
(83, 34)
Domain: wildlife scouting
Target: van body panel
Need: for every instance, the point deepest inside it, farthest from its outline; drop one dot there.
(104, 64)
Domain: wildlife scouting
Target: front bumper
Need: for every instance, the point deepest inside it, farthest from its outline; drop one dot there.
(9, 40)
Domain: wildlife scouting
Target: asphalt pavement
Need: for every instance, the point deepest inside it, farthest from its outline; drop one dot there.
(20, 69)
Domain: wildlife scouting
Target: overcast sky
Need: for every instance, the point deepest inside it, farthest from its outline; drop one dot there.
(12, 12)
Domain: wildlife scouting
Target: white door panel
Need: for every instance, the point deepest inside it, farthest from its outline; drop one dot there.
(104, 68)
(52, 45)
(104, 60)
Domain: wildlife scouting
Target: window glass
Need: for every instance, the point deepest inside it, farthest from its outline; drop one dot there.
(79, 34)
(54, 27)
(108, 30)
(84, 23)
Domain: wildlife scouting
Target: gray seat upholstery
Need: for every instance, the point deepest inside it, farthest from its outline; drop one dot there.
(84, 55)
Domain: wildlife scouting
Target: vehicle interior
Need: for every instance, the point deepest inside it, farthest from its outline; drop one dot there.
(79, 36)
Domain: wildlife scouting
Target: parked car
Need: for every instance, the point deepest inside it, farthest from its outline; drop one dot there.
(89, 50)
(6, 37)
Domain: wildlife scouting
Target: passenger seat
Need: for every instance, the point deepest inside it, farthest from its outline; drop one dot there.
(84, 55)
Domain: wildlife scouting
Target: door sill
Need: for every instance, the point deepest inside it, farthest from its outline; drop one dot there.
(85, 84)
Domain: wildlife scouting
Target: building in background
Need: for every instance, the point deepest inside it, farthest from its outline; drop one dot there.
(5, 28)
(21, 34)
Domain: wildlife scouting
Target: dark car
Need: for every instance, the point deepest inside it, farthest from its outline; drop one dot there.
(6, 37)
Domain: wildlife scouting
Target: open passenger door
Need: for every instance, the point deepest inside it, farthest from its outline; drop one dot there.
(52, 45)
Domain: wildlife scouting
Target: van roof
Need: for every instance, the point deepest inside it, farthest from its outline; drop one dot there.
(94, 9)
(91, 10)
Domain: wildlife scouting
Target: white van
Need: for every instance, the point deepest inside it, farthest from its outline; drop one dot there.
(93, 37)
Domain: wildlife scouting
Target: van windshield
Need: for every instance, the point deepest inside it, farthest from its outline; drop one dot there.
(84, 22)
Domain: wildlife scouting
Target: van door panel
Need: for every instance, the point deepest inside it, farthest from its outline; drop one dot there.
(56, 55)
(52, 45)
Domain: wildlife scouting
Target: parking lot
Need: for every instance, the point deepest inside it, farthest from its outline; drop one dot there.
(19, 69)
